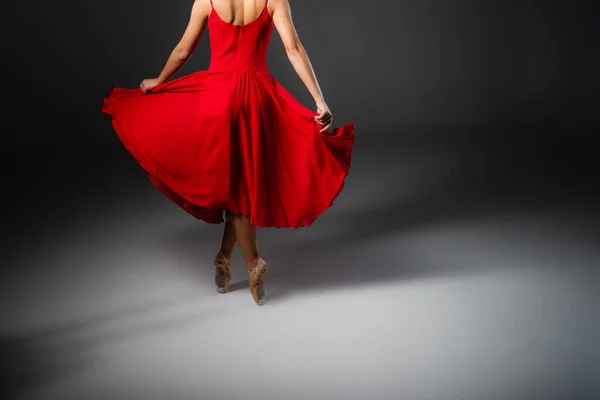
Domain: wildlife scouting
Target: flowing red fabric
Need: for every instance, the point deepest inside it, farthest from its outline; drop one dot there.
(232, 137)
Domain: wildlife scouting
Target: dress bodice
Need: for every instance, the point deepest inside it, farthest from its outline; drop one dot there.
(239, 47)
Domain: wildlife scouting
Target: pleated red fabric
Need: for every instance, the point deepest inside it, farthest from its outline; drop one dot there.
(232, 137)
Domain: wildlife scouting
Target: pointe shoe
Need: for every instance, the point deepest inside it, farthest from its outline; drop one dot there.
(256, 270)
(222, 273)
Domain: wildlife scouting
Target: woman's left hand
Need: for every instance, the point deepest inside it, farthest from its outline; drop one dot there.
(148, 84)
(325, 117)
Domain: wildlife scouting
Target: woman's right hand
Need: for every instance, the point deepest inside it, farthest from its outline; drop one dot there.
(324, 117)
(148, 84)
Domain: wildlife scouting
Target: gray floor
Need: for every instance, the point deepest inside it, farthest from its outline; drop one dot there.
(469, 275)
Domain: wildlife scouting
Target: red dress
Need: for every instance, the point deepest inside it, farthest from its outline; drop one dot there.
(232, 137)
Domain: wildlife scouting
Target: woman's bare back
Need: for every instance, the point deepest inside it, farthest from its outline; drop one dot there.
(240, 12)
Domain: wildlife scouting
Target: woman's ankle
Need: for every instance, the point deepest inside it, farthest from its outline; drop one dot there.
(223, 254)
(252, 263)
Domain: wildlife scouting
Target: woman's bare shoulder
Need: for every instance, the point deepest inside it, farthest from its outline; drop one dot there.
(203, 5)
(278, 5)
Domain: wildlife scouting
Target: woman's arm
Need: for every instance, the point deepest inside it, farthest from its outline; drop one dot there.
(282, 18)
(186, 46)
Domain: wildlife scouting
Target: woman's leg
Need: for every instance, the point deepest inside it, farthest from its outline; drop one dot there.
(229, 236)
(221, 261)
(246, 236)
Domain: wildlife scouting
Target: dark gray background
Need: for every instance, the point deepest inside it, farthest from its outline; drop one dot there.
(464, 110)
